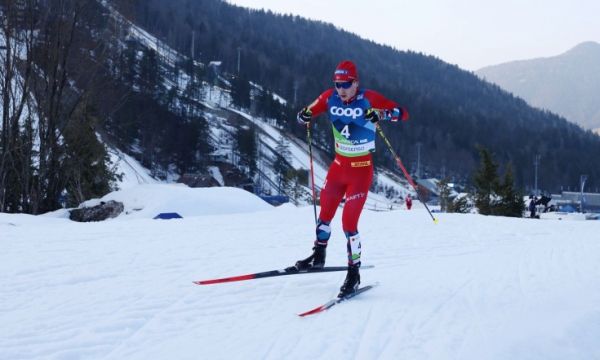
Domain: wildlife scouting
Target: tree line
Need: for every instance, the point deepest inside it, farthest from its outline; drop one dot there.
(49, 152)
(71, 84)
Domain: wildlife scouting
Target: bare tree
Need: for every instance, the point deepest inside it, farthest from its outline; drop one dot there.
(16, 40)
(50, 64)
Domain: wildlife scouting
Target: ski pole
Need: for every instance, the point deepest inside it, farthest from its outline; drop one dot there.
(401, 165)
(312, 170)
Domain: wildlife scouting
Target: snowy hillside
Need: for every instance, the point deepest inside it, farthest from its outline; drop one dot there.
(470, 287)
(217, 102)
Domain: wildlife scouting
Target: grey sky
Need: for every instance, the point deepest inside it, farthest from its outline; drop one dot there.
(471, 34)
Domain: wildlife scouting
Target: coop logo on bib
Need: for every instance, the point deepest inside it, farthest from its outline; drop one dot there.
(350, 112)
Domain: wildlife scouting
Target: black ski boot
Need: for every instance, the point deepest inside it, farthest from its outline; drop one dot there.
(351, 283)
(315, 261)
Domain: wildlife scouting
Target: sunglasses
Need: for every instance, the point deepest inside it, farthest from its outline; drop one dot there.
(344, 85)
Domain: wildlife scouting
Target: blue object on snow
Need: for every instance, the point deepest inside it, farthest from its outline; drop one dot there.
(167, 216)
(568, 209)
(275, 200)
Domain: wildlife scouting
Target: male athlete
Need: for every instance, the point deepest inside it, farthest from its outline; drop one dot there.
(353, 112)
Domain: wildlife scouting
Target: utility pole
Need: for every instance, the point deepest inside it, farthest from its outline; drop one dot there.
(536, 163)
(582, 180)
(239, 49)
(192, 69)
(419, 160)
(193, 38)
(295, 92)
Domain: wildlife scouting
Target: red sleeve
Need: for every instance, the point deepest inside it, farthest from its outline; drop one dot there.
(319, 106)
(379, 101)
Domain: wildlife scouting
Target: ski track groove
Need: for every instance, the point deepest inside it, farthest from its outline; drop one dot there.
(366, 324)
(393, 326)
(429, 318)
(141, 328)
(274, 341)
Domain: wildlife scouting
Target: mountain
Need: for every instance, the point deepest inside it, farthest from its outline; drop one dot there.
(567, 84)
(123, 289)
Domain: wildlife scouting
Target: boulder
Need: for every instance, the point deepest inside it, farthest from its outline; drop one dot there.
(106, 210)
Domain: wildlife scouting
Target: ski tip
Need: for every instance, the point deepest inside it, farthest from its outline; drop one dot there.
(310, 312)
(225, 280)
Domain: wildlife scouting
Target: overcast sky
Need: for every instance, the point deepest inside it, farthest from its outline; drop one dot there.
(469, 33)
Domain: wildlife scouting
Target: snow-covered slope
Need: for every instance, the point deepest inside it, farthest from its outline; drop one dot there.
(132, 173)
(222, 132)
(470, 287)
(147, 201)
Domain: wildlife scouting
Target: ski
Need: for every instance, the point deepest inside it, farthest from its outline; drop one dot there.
(272, 273)
(337, 300)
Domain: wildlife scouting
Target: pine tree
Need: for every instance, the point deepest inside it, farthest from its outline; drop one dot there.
(247, 147)
(151, 74)
(459, 205)
(281, 165)
(445, 200)
(240, 92)
(512, 201)
(486, 183)
(129, 62)
(86, 163)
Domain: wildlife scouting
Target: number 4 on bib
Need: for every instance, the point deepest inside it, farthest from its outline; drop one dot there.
(346, 132)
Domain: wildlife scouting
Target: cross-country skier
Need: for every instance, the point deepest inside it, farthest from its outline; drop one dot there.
(353, 112)
(408, 202)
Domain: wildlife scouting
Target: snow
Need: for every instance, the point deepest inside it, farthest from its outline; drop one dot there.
(145, 38)
(216, 174)
(131, 171)
(147, 201)
(469, 287)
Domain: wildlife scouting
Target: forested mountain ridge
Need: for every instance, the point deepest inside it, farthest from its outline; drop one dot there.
(79, 76)
(452, 110)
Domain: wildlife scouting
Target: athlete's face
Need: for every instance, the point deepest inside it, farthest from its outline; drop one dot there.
(346, 89)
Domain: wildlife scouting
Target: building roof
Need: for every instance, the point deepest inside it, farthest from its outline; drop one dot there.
(591, 199)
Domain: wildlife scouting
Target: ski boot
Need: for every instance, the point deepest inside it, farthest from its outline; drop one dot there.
(314, 261)
(351, 283)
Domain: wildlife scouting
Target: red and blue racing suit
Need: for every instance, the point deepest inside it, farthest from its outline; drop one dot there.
(351, 172)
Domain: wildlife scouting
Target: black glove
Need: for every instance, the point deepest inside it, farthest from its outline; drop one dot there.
(372, 116)
(304, 116)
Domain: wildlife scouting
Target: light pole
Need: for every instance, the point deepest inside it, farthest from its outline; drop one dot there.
(536, 163)
(419, 160)
(295, 92)
(239, 49)
(582, 180)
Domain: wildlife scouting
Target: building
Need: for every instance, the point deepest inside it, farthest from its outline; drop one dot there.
(591, 201)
